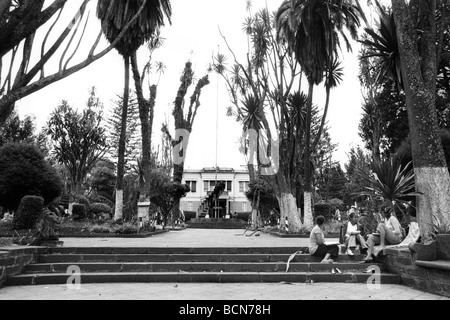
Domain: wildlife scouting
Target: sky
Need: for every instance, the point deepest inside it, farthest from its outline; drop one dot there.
(194, 36)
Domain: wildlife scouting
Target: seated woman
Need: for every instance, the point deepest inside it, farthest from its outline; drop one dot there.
(389, 232)
(353, 236)
(317, 246)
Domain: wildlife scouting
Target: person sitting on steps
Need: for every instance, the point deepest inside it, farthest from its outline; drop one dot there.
(317, 246)
(353, 236)
(389, 232)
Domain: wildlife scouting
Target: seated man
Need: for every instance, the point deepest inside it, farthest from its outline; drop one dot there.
(353, 236)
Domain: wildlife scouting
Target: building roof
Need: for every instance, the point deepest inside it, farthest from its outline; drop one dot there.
(213, 170)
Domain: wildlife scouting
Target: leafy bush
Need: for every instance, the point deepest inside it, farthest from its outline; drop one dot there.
(99, 208)
(100, 229)
(323, 209)
(126, 228)
(57, 209)
(28, 213)
(24, 172)
(78, 198)
(389, 181)
(99, 199)
(79, 211)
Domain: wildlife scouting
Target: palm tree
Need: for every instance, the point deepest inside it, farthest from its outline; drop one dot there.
(114, 16)
(382, 45)
(313, 29)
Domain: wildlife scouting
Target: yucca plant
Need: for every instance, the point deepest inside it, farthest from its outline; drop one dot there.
(390, 182)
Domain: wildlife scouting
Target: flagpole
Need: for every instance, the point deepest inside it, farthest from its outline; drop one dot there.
(217, 136)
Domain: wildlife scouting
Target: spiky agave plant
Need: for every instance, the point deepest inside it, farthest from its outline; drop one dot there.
(390, 182)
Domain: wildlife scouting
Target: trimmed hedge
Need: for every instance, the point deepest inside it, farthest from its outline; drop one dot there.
(24, 172)
(78, 211)
(29, 211)
(98, 208)
(78, 198)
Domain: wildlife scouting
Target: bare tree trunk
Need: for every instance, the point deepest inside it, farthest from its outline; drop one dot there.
(288, 205)
(146, 124)
(307, 204)
(118, 213)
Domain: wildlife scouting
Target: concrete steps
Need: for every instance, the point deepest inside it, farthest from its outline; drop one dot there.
(104, 265)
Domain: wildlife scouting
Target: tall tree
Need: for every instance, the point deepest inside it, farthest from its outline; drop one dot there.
(19, 22)
(419, 65)
(17, 130)
(147, 106)
(261, 91)
(184, 121)
(312, 29)
(132, 141)
(79, 139)
(419, 59)
(385, 117)
(115, 15)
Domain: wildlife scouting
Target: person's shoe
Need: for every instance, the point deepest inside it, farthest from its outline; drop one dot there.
(327, 261)
(350, 253)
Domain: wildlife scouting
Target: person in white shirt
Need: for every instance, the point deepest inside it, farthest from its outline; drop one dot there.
(353, 236)
(317, 245)
(389, 232)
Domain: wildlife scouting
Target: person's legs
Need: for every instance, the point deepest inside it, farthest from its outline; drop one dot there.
(387, 236)
(351, 243)
(361, 241)
(333, 251)
(371, 242)
(322, 251)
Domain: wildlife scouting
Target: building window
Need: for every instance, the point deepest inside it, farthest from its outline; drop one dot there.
(192, 185)
(211, 184)
(243, 186)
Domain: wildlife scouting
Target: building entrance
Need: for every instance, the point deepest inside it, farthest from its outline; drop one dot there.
(221, 209)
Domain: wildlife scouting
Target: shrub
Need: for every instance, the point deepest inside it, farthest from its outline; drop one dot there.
(101, 229)
(323, 209)
(57, 209)
(126, 228)
(78, 198)
(98, 208)
(28, 213)
(24, 172)
(78, 211)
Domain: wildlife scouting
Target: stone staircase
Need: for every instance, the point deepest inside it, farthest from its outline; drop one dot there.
(217, 265)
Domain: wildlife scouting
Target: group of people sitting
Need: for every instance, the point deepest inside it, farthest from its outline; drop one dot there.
(388, 232)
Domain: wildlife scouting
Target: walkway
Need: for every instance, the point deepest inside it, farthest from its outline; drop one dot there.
(206, 291)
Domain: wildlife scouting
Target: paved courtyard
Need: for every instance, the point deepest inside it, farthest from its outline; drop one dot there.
(209, 291)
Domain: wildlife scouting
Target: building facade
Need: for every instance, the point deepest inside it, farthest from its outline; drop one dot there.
(203, 183)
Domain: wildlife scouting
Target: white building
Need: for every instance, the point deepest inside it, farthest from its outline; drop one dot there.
(202, 184)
